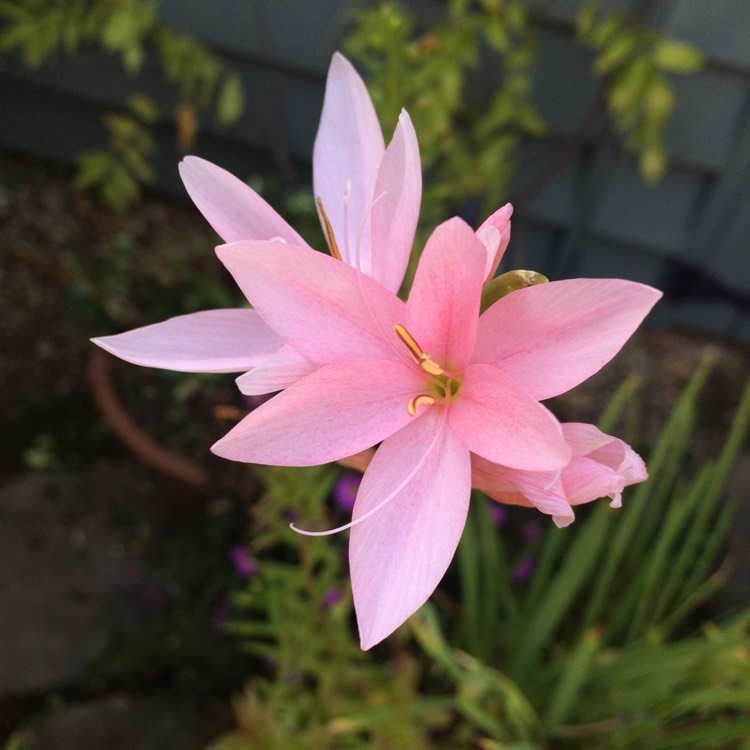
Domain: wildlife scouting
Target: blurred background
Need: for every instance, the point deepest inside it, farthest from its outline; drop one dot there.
(145, 583)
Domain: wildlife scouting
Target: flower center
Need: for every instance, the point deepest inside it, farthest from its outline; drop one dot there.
(442, 386)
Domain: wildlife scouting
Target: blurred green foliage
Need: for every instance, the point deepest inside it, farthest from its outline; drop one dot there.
(466, 78)
(605, 646)
(636, 62)
(469, 127)
(40, 32)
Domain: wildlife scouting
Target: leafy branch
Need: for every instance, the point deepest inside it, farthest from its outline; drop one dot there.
(40, 32)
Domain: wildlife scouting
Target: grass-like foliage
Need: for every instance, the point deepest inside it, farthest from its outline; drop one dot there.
(605, 646)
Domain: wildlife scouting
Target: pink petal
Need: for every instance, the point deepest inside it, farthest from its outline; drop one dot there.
(495, 235)
(496, 419)
(585, 438)
(336, 411)
(542, 489)
(321, 307)
(232, 208)
(276, 372)
(398, 556)
(347, 154)
(551, 337)
(603, 465)
(444, 299)
(209, 341)
(585, 479)
(394, 216)
(496, 481)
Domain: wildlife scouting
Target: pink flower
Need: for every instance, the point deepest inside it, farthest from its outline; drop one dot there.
(600, 466)
(370, 200)
(432, 380)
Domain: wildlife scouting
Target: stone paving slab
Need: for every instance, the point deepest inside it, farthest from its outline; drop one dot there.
(157, 721)
(71, 573)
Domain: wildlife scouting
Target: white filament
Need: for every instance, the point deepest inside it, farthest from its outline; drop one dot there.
(382, 503)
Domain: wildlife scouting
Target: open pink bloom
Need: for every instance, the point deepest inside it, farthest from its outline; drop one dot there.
(371, 197)
(432, 380)
(600, 466)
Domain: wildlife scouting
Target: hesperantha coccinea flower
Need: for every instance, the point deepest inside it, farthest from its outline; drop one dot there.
(451, 396)
(431, 380)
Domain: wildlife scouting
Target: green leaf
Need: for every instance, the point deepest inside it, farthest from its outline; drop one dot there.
(573, 572)
(144, 108)
(677, 57)
(652, 163)
(586, 20)
(575, 671)
(616, 53)
(231, 102)
(497, 35)
(660, 99)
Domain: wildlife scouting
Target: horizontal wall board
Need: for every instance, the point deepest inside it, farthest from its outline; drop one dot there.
(709, 107)
(720, 28)
(596, 259)
(596, 217)
(286, 32)
(282, 109)
(656, 216)
(566, 10)
(564, 86)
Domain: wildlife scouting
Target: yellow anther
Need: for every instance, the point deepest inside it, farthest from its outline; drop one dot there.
(417, 401)
(433, 368)
(416, 351)
(330, 239)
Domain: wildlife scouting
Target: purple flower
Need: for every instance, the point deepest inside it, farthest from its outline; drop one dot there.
(524, 570)
(345, 491)
(244, 565)
(331, 598)
(498, 513)
(531, 530)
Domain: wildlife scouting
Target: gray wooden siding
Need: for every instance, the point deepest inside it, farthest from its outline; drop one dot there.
(690, 233)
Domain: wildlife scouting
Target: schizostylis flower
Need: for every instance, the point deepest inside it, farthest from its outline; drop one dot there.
(430, 379)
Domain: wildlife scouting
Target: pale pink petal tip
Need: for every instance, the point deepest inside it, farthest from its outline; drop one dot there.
(209, 341)
(616, 501)
(562, 521)
(231, 207)
(495, 235)
(500, 219)
(277, 371)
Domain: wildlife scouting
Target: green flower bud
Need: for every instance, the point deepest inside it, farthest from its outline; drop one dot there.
(506, 283)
